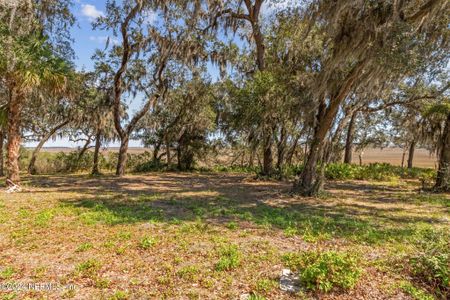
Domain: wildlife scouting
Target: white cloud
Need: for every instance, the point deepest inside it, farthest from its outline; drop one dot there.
(150, 17)
(102, 39)
(91, 11)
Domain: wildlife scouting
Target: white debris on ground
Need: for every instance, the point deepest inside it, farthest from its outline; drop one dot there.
(289, 281)
(244, 296)
(12, 187)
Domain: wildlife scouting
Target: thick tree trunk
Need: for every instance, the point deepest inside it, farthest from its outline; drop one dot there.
(349, 140)
(280, 157)
(179, 157)
(403, 158)
(156, 149)
(412, 148)
(267, 160)
(251, 159)
(14, 138)
(2, 139)
(308, 185)
(98, 144)
(281, 148)
(443, 173)
(267, 155)
(31, 165)
(168, 156)
(122, 161)
(291, 151)
(310, 180)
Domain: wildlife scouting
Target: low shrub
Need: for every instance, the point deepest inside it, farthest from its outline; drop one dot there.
(341, 171)
(375, 171)
(149, 166)
(430, 264)
(326, 270)
(235, 168)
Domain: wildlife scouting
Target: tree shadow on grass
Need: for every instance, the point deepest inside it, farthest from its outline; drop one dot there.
(313, 222)
(221, 198)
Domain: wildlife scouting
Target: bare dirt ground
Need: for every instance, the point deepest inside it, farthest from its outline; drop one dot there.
(161, 236)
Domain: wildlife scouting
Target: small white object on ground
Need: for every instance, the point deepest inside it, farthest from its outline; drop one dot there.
(289, 281)
(12, 187)
(244, 297)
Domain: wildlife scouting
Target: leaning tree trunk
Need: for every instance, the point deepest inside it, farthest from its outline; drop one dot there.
(122, 162)
(251, 159)
(98, 143)
(412, 148)
(2, 139)
(310, 180)
(84, 149)
(31, 165)
(168, 156)
(14, 138)
(403, 157)
(267, 156)
(443, 173)
(281, 148)
(292, 150)
(349, 140)
(156, 149)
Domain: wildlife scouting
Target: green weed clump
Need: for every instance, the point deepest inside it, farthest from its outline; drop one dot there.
(7, 273)
(230, 258)
(88, 268)
(430, 264)
(324, 271)
(147, 242)
(414, 292)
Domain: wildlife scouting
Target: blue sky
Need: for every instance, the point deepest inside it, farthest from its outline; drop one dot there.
(86, 40)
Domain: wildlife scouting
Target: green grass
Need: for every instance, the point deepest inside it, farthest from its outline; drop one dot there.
(325, 270)
(415, 293)
(229, 258)
(184, 239)
(7, 273)
(147, 242)
(188, 272)
(265, 285)
(88, 268)
(84, 247)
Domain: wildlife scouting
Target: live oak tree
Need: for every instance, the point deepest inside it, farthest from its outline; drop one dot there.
(144, 51)
(98, 124)
(273, 100)
(183, 120)
(372, 45)
(235, 15)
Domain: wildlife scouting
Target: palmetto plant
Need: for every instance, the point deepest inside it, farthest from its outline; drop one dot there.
(28, 65)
